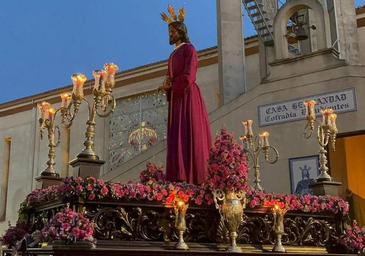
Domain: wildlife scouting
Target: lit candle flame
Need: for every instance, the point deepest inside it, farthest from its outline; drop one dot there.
(111, 68)
(51, 112)
(78, 79)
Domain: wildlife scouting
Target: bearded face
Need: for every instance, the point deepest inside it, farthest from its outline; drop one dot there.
(174, 35)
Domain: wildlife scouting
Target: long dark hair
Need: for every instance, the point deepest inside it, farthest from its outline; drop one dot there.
(181, 29)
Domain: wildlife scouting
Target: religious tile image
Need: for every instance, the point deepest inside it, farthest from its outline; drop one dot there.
(303, 172)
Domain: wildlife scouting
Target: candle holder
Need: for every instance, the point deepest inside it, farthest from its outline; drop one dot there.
(103, 104)
(278, 227)
(47, 122)
(253, 145)
(180, 208)
(326, 134)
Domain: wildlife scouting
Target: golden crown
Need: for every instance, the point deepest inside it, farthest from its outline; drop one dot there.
(173, 16)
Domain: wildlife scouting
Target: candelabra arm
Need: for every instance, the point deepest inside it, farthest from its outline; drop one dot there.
(107, 99)
(67, 115)
(57, 128)
(267, 154)
(249, 154)
(308, 129)
(323, 136)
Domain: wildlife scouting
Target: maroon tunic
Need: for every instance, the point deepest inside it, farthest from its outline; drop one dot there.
(188, 131)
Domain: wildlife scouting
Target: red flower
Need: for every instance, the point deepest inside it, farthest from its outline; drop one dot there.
(101, 182)
(91, 196)
(159, 197)
(104, 191)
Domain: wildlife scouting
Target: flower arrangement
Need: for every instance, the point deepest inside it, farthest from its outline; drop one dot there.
(69, 226)
(14, 234)
(227, 169)
(152, 174)
(354, 238)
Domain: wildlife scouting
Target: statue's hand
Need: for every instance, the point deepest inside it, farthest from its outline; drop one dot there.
(166, 84)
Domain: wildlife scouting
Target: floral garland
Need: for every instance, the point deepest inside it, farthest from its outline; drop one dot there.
(94, 189)
(97, 189)
(300, 203)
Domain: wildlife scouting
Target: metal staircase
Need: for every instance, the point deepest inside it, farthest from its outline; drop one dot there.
(263, 22)
(259, 18)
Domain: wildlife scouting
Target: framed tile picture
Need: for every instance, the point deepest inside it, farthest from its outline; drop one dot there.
(303, 171)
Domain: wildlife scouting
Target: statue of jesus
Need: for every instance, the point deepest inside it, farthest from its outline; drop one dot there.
(188, 130)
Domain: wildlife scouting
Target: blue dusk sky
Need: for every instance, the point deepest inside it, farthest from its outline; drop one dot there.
(43, 42)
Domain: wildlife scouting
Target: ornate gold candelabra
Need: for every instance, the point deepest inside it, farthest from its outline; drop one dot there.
(230, 206)
(326, 134)
(253, 145)
(103, 104)
(180, 208)
(47, 122)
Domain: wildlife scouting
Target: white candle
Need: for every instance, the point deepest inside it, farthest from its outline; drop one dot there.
(69, 99)
(310, 108)
(45, 114)
(333, 126)
(78, 81)
(264, 137)
(45, 106)
(97, 75)
(326, 116)
(104, 77)
(51, 114)
(249, 128)
(110, 69)
(40, 109)
(64, 97)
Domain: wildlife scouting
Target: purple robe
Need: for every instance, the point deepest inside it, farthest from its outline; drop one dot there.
(188, 131)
